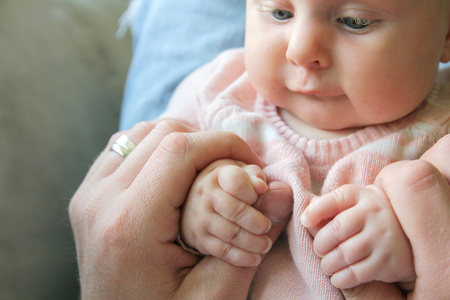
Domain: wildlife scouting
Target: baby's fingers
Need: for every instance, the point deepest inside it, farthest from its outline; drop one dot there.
(361, 272)
(340, 229)
(257, 177)
(345, 254)
(330, 205)
(236, 236)
(242, 214)
(231, 254)
(244, 182)
(230, 243)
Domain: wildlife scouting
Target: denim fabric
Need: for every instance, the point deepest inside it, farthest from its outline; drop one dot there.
(171, 38)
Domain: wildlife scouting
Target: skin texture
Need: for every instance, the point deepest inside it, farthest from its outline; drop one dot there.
(218, 218)
(420, 194)
(307, 58)
(333, 77)
(330, 76)
(363, 241)
(124, 223)
(125, 217)
(314, 64)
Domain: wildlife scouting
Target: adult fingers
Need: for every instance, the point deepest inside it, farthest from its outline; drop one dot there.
(118, 171)
(276, 204)
(171, 170)
(146, 136)
(132, 236)
(164, 181)
(109, 161)
(374, 290)
(147, 143)
(86, 202)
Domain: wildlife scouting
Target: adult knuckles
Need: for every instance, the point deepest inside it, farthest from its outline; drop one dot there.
(143, 126)
(167, 126)
(114, 137)
(175, 143)
(440, 148)
(419, 176)
(116, 233)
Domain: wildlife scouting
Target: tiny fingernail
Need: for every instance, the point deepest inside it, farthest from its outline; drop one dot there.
(305, 220)
(269, 227)
(259, 184)
(332, 280)
(269, 246)
(256, 261)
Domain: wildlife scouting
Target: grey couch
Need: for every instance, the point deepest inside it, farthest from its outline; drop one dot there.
(62, 72)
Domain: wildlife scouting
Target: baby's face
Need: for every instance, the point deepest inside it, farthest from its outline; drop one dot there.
(339, 64)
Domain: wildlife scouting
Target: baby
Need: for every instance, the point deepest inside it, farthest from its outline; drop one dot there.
(328, 93)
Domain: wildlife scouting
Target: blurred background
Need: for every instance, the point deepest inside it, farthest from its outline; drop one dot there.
(62, 73)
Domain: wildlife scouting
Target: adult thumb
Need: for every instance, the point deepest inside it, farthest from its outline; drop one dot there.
(439, 156)
(420, 195)
(277, 205)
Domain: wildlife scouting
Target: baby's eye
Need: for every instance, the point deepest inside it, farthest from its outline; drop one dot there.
(281, 14)
(355, 23)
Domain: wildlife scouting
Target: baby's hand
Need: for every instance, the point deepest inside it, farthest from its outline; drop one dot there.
(363, 241)
(218, 218)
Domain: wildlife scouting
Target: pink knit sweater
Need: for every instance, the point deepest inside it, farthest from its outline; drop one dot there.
(219, 96)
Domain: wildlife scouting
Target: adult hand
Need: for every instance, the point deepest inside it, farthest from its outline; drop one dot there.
(125, 217)
(420, 194)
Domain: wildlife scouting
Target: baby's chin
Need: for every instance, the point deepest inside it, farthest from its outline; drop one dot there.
(319, 129)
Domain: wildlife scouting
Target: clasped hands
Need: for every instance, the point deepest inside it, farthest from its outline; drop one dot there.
(125, 217)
